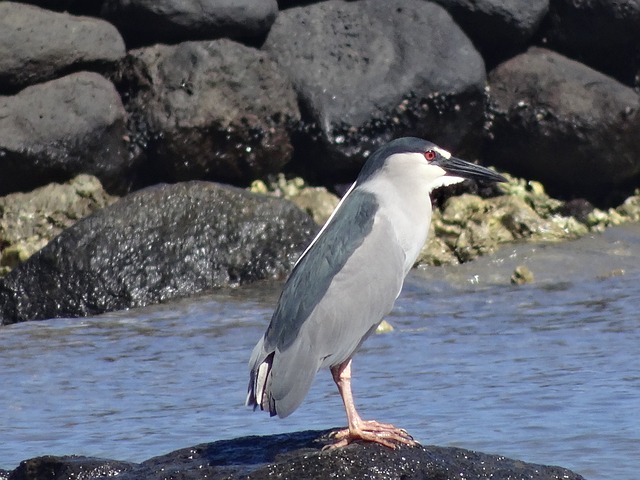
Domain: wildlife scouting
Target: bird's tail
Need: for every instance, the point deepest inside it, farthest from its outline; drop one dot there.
(259, 382)
(283, 393)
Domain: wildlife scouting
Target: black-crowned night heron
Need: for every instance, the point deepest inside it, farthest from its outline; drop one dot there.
(348, 279)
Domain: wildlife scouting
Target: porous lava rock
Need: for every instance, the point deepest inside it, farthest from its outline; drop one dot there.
(555, 120)
(213, 110)
(369, 71)
(53, 131)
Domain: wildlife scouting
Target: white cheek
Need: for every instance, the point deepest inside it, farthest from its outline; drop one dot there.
(445, 181)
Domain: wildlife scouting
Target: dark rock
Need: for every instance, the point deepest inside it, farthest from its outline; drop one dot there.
(498, 28)
(604, 34)
(156, 244)
(213, 110)
(68, 467)
(558, 121)
(578, 208)
(38, 45)
(364, 75)
(53, 131)
(299, 456)
(145, 22)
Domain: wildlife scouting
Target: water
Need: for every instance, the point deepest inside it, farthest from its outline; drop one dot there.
(547, 372)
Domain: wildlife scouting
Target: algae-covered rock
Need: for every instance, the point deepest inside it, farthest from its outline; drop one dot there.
(29, 220)
(318, 202)
(630, 209)
(521, 275)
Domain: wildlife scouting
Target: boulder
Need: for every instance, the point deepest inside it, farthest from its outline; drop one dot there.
(53, 131)
(214, 110)
(498, 28)
(562, 123)
(145, 22)
(364, 75)
(77, 7)
(295, 456)
(38, 45)
(156, 244)
(601, 33)
(30, 220)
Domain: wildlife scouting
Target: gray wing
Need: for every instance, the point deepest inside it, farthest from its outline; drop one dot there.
(335, 297)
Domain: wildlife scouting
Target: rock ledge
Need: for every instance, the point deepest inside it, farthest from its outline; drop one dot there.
(296, 455)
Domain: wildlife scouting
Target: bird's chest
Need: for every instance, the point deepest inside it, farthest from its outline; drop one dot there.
(410, 223)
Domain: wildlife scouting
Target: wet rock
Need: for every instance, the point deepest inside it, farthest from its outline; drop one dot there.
(298, 456)
(560, 122)
(498, 28)
(38, 45)
(53, 131)
(50, 467)
(600, 33)
(30, 220)
(213, 110)
(363, 76)
(145, 22)
(156, 244)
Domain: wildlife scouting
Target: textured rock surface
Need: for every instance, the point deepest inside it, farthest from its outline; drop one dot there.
(38, 45)
(560, 122)
(156, 244)
(53, 131)
(601, 33)
(363, 76)
(210, 110)
(29, 221)
(296, 456)
(498, 28)
(144, 22)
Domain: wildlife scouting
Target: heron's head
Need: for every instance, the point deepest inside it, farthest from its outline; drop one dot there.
(417, 159)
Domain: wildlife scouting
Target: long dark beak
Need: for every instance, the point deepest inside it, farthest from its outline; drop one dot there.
(461, 168)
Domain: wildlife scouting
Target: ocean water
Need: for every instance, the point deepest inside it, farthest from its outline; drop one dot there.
(547, 372)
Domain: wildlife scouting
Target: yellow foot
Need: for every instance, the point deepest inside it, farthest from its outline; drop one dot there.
(372, 431)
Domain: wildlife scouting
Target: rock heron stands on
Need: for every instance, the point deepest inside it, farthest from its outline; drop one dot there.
(348, 279)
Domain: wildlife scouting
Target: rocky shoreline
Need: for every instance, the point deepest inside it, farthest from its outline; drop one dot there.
(292, 456)
(156, 150)
(104, 101)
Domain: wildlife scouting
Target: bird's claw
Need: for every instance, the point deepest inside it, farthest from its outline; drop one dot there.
(372, 431)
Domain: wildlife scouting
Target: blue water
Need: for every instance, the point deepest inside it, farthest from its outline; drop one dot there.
(547, 372)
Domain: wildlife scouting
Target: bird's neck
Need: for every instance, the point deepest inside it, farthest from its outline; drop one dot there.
(408, 208)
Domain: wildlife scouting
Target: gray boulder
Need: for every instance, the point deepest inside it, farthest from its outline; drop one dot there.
(294, 456)
(156, 244)
(368, 71)
(145, 22)
(498, 28)
(77, 7)
(560, 122)
(38, 45)
(53, 131)
(214, 110)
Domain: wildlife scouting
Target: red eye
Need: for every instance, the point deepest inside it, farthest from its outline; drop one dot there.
(429, 155)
